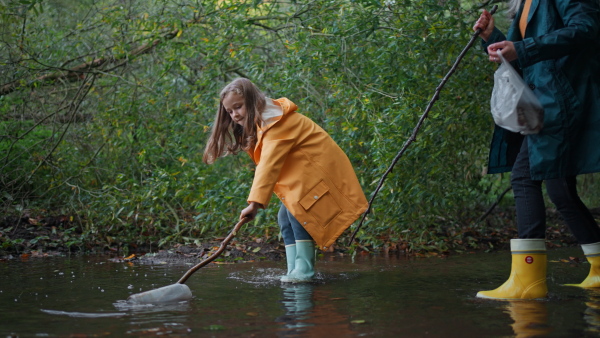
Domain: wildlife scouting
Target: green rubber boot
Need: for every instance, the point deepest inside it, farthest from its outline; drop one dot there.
(304, 265)
(290, 257)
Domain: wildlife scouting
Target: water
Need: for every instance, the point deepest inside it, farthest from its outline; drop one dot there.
(370, 296)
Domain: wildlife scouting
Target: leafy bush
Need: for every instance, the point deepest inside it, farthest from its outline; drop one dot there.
(123, 93)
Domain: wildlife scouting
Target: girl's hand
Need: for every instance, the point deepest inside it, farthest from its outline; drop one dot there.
(251, 210)
(486, 24)
(506, 47)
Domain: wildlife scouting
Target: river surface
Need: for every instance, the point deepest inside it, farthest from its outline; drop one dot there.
(368, 296)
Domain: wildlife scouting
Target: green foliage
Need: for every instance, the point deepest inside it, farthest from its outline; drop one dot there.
(20, 148)
(119, 141)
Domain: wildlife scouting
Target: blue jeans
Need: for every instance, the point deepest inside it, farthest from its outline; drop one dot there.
(531, 211)
(291, 230)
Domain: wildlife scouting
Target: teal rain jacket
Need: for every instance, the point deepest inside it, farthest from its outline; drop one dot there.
(560, 60)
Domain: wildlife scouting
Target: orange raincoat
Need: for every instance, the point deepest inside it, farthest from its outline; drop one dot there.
(309, 172)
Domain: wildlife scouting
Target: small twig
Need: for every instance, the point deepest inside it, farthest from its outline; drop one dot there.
(413, 136)
(80, 95)
(489, 211)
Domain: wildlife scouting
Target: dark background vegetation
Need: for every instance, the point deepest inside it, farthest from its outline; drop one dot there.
(105, 107)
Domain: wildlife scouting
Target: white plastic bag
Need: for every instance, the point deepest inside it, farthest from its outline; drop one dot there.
(514, 106)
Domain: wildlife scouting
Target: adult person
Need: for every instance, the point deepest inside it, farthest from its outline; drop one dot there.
(555, 44)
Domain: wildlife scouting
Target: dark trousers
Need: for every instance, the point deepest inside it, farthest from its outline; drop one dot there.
(291, 229)
(531, 211)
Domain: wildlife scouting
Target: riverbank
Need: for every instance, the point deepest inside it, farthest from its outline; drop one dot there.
(33, 237)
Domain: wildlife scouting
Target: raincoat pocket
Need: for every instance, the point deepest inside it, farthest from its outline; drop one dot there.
(320, 204)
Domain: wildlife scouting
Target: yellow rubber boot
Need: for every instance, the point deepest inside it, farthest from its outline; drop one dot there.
(528, 274)
(592, 254)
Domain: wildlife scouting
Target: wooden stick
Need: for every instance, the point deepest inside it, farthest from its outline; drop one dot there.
(413, 136)
(212, 257)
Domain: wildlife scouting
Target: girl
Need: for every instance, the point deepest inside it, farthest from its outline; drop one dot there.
(295, 158)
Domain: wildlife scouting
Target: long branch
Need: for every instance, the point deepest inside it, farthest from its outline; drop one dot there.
(216, 254)
(413, 136)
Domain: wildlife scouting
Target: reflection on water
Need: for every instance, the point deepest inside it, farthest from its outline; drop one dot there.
(367, 296)
(310, 311)
(530, 318)
(124, 305)
(592, 312)
(83, 314)
(298, 304)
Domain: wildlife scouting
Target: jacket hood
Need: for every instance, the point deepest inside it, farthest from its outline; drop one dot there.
(286, 105)
(274, 111)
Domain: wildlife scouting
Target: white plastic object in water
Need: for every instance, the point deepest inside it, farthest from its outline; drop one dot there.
(167, 294)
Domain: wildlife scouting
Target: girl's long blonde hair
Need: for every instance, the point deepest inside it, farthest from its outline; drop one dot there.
(228, 137)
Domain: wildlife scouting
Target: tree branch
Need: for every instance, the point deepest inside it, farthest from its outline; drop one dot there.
(75, 73)
(413, 136)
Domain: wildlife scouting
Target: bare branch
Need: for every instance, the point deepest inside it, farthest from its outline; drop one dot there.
(76, 73)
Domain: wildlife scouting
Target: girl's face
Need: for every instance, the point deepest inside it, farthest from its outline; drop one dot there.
(235, 106)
